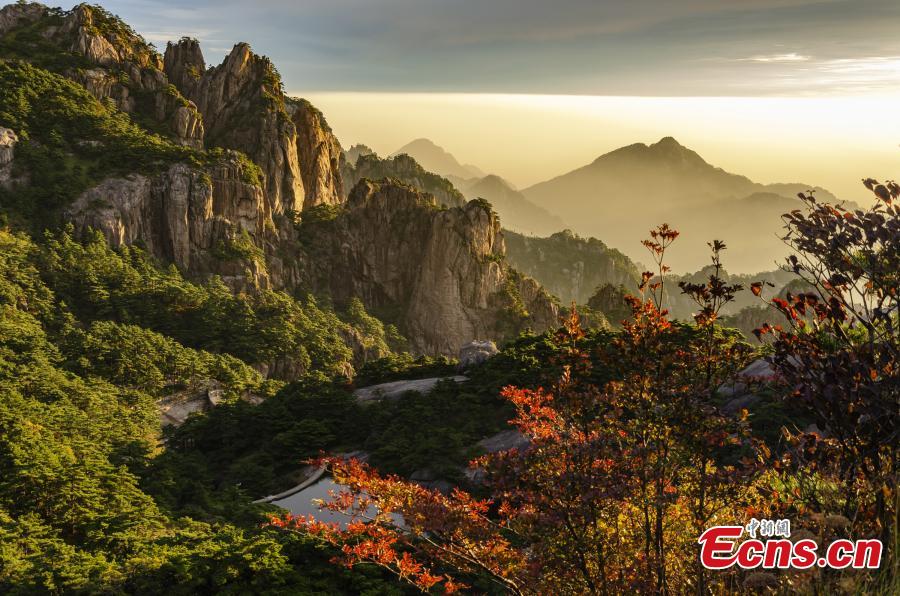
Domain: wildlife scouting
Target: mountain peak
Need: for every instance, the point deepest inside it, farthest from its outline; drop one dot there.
(435, 158)
(665, 151)
(668, 143)
(425, 142)
(493, 181)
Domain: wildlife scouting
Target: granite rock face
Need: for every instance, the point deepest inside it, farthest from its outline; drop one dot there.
(443, 269)
(184, 65)
(244, 108)
(184, 216)
(13, 16)
(320, 154)
(405, 169)
(8, 140)
(123, 66)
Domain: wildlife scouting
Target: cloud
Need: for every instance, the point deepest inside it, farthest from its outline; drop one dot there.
(790, 57)
(866, 73)
(605, 47)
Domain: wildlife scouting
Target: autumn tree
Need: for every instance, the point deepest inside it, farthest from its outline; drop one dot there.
(837, 355)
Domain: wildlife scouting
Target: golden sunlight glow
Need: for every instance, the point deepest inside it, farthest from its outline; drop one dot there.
(827, 141)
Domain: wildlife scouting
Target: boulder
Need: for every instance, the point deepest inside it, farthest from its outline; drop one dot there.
(8, 140)
(397, 389)
(476, 352)
(503, 441)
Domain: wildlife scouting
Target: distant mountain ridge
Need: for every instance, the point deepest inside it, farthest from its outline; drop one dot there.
(516, 212)
(622, 194)
(436, 159)
(451, 183)
(569, 266)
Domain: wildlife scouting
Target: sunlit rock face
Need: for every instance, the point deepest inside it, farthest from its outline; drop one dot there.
(320, 154)
(184, 216)
(441, 270)
(244, 108)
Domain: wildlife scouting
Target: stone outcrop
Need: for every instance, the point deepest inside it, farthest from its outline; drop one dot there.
(243, 109)
(193, 218)
(394, 248)
(129, 72)
(353, 154)
(405, 169)
(184, 65)
(125, 68)
(13, 16)
(320, 153)
(397, 389)
(8, 140)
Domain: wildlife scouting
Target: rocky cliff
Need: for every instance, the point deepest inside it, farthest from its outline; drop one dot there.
(108, 58)
(427, 261)
(244, 108)
(204, 221)
(320, 153)
(440, 272)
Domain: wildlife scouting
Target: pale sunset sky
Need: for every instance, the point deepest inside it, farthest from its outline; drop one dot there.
(778, 90)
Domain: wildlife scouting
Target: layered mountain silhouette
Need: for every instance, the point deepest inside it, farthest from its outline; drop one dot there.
(515, 210)
(625, 193)
(435, 159)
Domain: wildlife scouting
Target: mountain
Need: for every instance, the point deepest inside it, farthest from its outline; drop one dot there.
(352, 154)
(625, 193)
(442, 271)
(516, 212)
(215, 171)
(569, 266)
(404, 169)
(435, 159)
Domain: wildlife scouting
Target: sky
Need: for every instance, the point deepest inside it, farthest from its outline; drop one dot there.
(502, 83)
